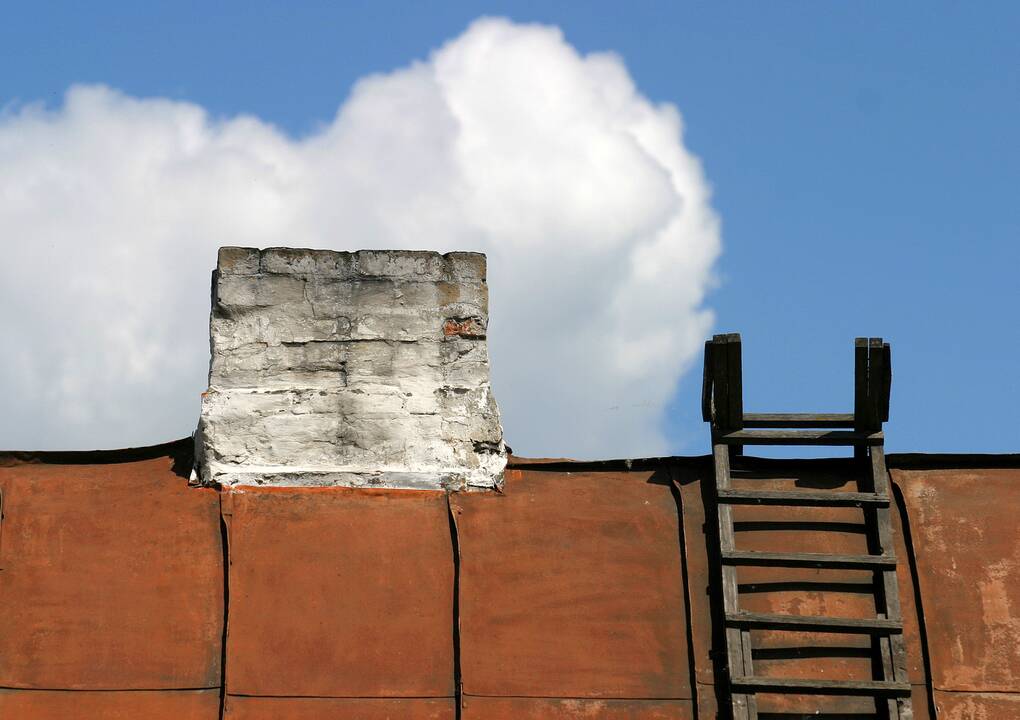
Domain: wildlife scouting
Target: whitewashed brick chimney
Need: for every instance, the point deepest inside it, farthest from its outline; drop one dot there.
(360, 369)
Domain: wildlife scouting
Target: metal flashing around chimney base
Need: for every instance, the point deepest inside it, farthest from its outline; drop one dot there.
(363, 369)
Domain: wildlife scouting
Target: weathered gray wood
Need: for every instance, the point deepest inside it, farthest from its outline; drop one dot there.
(815, 560)
(802, 437)
(745, 645)
(822, 687)
(744, 706)
(735, 382)
(706, 383)
(860, 377)
(720, 384)
(731, 430)
(861, 421)
(894, 653)
(818, 623)
(818, 498)
(883, 406)
(876, 381)
(798, 420)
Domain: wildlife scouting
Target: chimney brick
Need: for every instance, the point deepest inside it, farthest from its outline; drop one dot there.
(360, 369)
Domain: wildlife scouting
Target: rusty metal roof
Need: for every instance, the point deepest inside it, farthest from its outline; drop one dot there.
(584, 590)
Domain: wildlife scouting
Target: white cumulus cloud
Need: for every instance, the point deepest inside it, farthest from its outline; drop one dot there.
(595, 217)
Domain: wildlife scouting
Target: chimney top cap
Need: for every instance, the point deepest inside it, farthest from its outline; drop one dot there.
(413, 265)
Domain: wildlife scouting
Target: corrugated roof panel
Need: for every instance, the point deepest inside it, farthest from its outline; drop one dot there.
(571, 591)
(571, 586)
(112, 577)
(967, 547)
(110, 705)
(259, 708)
(487, 708)
(337, 592)
(976, 706)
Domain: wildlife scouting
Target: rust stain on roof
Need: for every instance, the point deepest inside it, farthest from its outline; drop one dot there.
(338, 592)
(571, 585)
(510, 708)
(585, 590)
(110, 705)
(967, 544)
(977, 706)
(259, 708)
(112, 578)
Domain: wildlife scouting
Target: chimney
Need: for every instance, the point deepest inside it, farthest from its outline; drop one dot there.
(364, 369)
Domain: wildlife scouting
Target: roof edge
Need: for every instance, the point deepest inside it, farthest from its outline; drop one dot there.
(897, 461)
(182, 451)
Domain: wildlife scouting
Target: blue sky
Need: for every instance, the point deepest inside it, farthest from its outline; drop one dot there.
(863, 159)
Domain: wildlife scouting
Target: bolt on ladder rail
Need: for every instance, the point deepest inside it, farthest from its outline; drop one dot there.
(732, 429)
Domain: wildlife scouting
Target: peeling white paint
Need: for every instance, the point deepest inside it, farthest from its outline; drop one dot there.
(357, 369)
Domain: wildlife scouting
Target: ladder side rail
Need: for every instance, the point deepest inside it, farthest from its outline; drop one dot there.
(735, 382)
(876, 383)
(894, 653)
(735, 388)
(886, 377)
(720, 385)
(881, 646)
(861, 385)
(706, 383)
(864, 415)
(738, 641)
(887, 598)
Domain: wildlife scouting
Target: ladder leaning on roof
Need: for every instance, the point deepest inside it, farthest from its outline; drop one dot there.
(732, 428)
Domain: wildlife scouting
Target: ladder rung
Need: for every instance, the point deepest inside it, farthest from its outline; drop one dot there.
(811, 560)
(873, 688)
(798, 497)
(799, 420)
(801, 437)
(873, 626)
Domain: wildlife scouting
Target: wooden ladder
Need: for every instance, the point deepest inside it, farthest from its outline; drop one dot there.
(732, 429)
